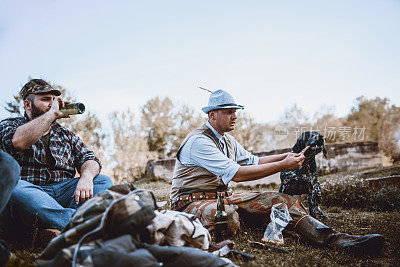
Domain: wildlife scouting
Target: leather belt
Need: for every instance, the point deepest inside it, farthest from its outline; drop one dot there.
(183, 200)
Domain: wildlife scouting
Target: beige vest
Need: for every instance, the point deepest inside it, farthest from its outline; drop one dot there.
(190, 179)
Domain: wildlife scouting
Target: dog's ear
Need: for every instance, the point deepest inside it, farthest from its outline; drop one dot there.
(324, 152)
(300, 144)
(297, 147)
(306, 136)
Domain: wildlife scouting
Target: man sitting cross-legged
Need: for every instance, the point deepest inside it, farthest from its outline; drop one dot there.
(47, 193)
(208, 159)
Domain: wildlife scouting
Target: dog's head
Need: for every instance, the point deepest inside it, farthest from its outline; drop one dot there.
(313, 139)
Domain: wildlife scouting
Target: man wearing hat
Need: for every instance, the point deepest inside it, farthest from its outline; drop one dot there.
(47, 193)
(209, 158)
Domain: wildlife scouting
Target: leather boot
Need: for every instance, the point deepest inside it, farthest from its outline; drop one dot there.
(319, 234)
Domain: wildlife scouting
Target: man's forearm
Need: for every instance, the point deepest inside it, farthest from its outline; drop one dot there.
(254, 172)
(29, 133)
(90, 169)
(272, 158)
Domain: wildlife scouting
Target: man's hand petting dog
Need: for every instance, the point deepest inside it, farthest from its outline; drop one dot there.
(293, 161)
(304, 150)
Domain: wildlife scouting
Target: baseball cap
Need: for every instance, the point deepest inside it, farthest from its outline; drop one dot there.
(37, 86)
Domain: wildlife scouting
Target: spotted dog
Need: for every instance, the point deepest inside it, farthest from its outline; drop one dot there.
(305, 180)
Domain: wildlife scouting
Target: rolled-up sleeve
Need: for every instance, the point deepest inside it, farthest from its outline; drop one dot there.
(244, 157)
(82, 152)
(201, 151)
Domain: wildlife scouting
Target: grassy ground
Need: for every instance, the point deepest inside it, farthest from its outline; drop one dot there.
(353, 221)
(350, 221)
(362, 174)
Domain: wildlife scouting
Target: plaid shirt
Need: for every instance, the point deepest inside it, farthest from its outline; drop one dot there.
(67, 149)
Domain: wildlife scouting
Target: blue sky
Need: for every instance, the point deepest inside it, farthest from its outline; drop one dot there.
(267, 54)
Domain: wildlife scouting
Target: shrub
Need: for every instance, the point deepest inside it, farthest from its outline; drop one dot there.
(352, 193)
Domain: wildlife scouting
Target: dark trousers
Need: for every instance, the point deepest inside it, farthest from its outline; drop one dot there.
(9, 175)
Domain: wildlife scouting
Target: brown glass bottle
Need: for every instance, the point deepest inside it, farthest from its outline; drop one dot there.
(221, 220)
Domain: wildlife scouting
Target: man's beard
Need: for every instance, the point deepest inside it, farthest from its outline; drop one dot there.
(35, 111)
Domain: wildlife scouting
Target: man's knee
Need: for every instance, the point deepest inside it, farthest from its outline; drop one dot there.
(22, 187)
(205, 212)
(276, 197)
(24, 192)
(102, 182)
(9, 170)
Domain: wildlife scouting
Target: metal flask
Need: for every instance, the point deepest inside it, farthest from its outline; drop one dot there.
(73, 109)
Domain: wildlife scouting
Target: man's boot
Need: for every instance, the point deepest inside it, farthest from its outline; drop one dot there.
(322, 235)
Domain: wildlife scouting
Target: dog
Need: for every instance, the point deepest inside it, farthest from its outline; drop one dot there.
(305, 179)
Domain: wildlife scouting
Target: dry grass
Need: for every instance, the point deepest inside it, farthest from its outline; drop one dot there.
(351, 190)
(351, 221)
(363, 221)
(344, 219)
(361, 174)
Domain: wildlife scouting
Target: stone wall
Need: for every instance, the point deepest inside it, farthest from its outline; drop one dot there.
(160, 169)
(341, 156)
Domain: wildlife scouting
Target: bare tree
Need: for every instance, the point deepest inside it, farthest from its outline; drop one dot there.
(327, 124)
(130, 152)
(294, 116)
(381, 121)
(250, 134)
(186, 120)
(295, 120)
(157, 118)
